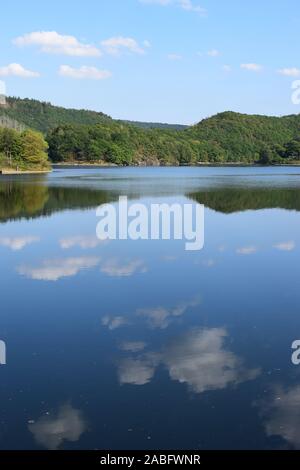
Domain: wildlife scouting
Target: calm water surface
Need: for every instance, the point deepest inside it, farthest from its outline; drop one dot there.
(141, 344)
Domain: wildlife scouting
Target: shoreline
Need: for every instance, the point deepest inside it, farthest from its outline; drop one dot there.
(198, 164)
(11, 172)
(25, 172)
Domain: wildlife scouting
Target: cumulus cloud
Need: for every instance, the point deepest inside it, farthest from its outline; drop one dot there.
(290, 72)
(18, 243)
(252, 67)
(53, 270)
(114, 322)
(81, 241)
(84, 72)
(116, 45)
(285, 246)
(227, 68)
(137, 371)
(54, 43)
(200, 359)
(68, 424)
(17, 70)
(114, 268)
(247, 250)
(160, 317)
(283, 415)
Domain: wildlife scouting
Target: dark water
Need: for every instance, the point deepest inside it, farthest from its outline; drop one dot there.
(141, 344)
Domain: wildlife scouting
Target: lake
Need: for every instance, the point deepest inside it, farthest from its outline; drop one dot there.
(126, 344)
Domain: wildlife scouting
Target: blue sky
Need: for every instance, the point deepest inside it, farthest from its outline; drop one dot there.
(174, 61)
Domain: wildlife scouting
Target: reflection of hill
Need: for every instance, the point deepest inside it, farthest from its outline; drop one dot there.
(236, 199)
(34, 200)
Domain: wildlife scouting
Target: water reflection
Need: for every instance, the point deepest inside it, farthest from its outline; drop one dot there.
(38, 199)
(53, 270)
(282, 415)
(115, 268)
(51, 430)
(18, 243)
(161, 317)
(199, 333)
(200, 358)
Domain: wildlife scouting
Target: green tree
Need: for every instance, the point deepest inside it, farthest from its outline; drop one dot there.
(34, 148)
(293, 149)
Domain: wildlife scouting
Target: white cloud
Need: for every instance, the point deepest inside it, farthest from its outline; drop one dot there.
(115, 45)
(136, 371)
(51, 431)
(54, 43)
(187, 5)
(114, 268)
(213, 53)
(84, 72)
(247, 250)
(113, 323)
(285, 246)
(17, 70)
(82, 241)
(18, 243)
(290, 72)
(252, 67)
(174, 56)
(201, 360)
(283, 415)
(52, 270)
(160, 317)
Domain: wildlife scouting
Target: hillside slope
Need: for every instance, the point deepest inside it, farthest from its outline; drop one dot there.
(44, 116)
(88, 136)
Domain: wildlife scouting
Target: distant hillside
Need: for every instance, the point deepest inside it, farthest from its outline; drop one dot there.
(157, 125)
(44, 116)
(88, 136)
(226, 137)
(235, 137)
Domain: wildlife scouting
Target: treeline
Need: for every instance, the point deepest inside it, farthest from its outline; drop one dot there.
(119, 144)
(227, 137)
(43, 116)
(38, 200)
(234, 137)
(26, 150)
(87, 136)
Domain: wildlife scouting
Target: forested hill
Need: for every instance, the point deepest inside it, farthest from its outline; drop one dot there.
(87, 136)
(239, 137)
(226, 137)
(44, 116)
(157, 125)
